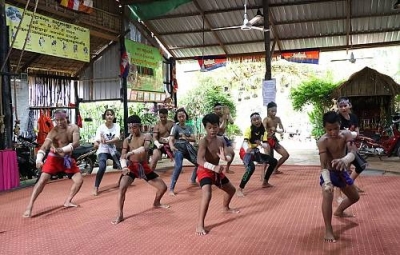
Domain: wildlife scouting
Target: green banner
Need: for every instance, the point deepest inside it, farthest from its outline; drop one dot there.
(145, 72)
(48, 36)
(146, 11)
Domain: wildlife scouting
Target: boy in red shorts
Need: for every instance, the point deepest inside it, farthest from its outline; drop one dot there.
(211, 150)
(134, 165)
(61, 141)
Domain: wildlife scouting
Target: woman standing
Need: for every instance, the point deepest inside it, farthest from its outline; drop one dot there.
(107, 135)
(179, 142)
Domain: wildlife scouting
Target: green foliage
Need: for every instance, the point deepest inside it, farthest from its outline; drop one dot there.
(315, 92)
(201, 99)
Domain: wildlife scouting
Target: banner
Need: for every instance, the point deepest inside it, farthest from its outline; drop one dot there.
(145, 69)
(211, 63)
(48, 36)
(307, 57)
(269, 91)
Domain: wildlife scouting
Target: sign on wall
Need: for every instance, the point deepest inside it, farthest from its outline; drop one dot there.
(269, 91)
(145, 72)
(48, 36)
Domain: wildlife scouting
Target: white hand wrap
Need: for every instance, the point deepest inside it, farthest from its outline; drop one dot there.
(228, 158)
(265, 145)
(348, 158)
(158, 144)
(327, 179)
(68, 148)
(39, 156)
(354, 134)
(209, 166)
(245, 145)
(123, 163)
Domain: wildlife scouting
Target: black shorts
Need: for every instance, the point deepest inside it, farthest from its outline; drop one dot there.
(210, 181)
(150, 176)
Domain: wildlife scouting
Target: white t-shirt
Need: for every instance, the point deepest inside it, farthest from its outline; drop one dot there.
(109, 134)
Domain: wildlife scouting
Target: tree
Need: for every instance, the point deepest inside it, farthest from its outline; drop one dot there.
(315, 92)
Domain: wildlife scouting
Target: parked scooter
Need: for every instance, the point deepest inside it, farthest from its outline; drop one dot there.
(378, 147)
(25, 157)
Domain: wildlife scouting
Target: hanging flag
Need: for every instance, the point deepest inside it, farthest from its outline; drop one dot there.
(85, 6)
(124, 64)
(307, 56)
(212, 62)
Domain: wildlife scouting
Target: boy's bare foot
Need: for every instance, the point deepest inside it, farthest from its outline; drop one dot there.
(27, 213)
(69, 204)
(359, 190)
(239, 193)
(117, 220)
(329, 238)
(95, 191)
(200, 231)
(343, 215)
(266, 185)
(229, 171)
(231, 210)
(161, 206)
(172, 193)
(278, 172)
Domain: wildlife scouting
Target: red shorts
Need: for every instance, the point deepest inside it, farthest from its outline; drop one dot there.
(134, 168)
(205, 173)
(54, 165)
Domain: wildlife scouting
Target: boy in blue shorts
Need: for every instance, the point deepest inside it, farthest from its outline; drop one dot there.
(334, 163)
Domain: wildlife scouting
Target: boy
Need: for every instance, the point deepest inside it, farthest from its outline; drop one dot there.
(225, 118)
(255, 136)
(211, 149)
(134, 165)
(161, 133)
(271, 124)
(61, 141)
(334, 162)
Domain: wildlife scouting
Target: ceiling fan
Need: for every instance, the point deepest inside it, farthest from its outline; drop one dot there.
(247, 24)
(352, 59)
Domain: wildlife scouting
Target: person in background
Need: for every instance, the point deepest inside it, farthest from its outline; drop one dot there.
(255, 136)
(161, 134)
(180, 143)
(107, 135)
(335, 161)
(61, 141)
(349, 121)
(134, 165)
(225, 118)
(271, 124)
(212, 150)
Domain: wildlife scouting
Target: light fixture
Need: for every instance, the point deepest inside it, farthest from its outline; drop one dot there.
(396, 6)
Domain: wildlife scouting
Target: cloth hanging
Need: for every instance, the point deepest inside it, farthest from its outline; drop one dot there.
(45, 124)
(30, 129)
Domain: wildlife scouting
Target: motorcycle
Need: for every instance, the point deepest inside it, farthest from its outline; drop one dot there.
(378, 147)
(24, 148)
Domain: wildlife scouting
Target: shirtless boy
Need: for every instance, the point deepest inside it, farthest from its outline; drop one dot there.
(161, 133)
(134, 165)
(211, 150)
(271, 124)
(225, 118)
(334, 163)
(61, 141)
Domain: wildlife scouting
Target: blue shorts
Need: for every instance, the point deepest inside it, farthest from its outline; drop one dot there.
(227, 141)
(339, 179)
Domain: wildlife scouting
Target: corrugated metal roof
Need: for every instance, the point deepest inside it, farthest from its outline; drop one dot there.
(294, 25)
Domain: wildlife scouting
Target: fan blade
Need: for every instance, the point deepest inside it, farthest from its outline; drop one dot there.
(334, 60)
(225, 28)
(190, 71)
(255, 19)
(365, 58)
(259, 28)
